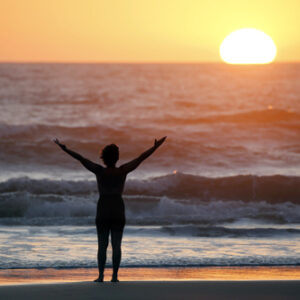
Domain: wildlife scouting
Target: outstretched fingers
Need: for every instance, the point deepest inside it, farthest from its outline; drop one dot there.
(157, 143)
(56, 141)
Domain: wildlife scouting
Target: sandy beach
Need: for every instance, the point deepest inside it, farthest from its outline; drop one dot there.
(156, 290)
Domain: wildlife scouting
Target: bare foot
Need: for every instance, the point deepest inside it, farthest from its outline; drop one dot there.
(114, 278)
(99, 279)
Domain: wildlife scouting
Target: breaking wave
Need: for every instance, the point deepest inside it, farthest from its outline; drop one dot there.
(170, 199)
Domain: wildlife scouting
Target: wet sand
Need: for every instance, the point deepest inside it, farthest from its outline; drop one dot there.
(51, 275)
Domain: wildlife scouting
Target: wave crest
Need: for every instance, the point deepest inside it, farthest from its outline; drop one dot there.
(249, 188)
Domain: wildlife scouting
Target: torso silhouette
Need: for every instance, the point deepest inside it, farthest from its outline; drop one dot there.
(110, 181)
(110, 207)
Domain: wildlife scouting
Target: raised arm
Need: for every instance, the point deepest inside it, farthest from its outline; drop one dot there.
(132, 165)
(85, 162)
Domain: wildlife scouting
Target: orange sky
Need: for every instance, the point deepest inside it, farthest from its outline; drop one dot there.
(140, 30)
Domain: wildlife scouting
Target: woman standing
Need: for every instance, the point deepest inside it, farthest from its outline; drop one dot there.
(110, 217)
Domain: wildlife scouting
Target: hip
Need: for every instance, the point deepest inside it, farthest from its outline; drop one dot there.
(110, 207)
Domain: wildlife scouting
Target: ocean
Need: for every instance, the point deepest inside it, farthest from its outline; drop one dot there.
(224, 189)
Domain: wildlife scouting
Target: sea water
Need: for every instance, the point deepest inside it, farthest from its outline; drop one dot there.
(224, 189)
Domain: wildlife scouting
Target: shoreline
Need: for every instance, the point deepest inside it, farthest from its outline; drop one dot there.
(51, 275)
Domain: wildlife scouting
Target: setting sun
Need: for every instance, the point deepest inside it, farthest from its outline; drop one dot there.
(248, 46)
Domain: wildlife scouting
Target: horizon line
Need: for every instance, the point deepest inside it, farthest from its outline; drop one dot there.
(137, 62)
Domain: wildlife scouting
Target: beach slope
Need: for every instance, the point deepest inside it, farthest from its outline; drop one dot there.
(156, 290)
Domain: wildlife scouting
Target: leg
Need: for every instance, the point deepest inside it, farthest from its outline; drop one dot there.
(116, 240)
(103, 234)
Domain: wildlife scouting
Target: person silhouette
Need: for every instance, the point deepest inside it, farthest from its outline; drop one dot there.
(110, 217)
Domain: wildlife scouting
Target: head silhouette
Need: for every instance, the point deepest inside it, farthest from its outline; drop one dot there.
(110, 155)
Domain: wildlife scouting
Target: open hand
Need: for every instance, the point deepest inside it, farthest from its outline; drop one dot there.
(62, 146)
(157, 143)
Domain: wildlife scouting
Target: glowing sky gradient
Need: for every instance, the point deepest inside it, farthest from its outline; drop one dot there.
(140, 30)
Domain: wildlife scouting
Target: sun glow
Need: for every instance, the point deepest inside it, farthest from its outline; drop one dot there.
(248, 46)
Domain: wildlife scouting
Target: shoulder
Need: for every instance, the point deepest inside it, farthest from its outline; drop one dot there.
(98, 169)
(122, 169)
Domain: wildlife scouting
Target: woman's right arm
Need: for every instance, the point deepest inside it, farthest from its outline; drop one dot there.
(91, 166)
